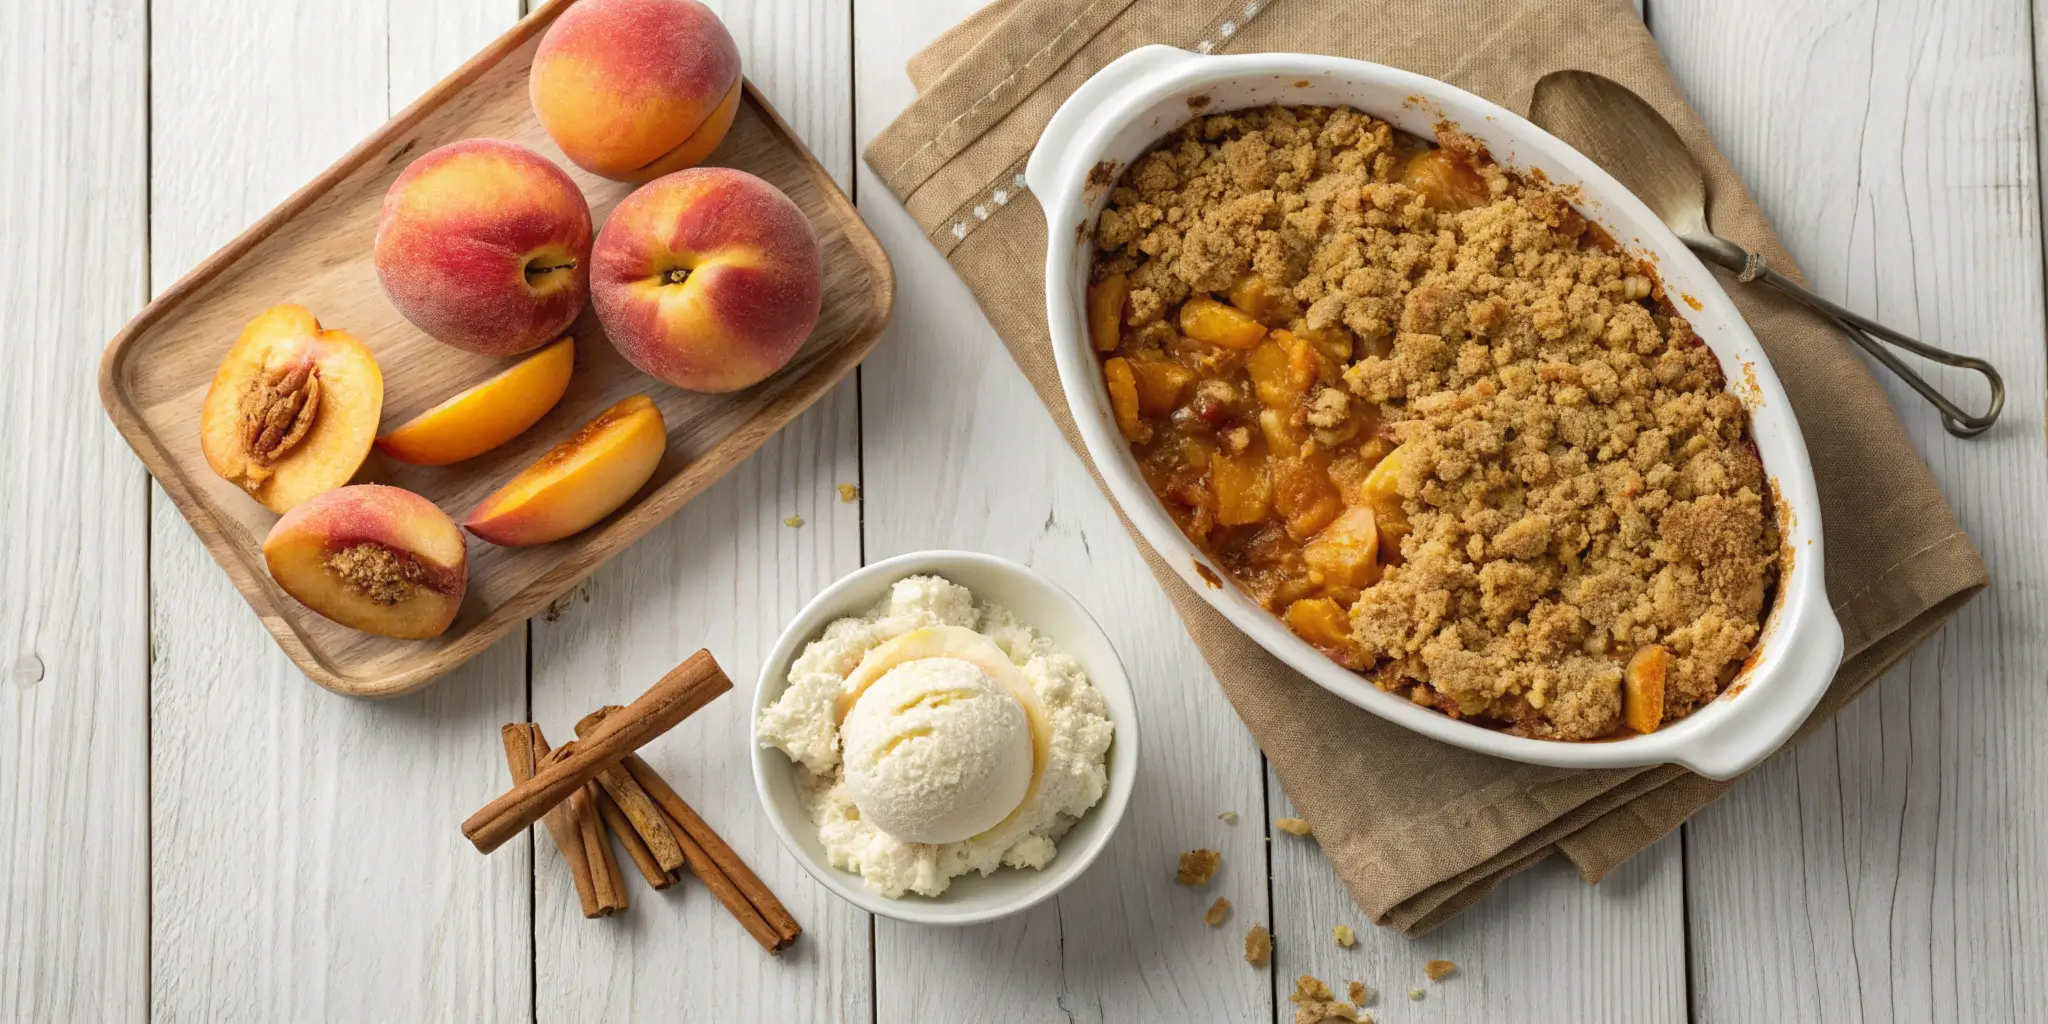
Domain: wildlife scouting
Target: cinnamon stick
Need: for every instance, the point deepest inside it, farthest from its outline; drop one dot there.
(526, 748)
(721, 861)
(651, 828)
(686, 688)
(604, 868)
(636, 848)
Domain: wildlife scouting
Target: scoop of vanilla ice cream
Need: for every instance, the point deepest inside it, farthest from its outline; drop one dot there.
(936, 751)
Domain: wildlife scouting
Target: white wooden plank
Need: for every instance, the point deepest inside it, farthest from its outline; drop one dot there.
(1544, 946)
(1891, 868)
(959, 453)
(724, 573)
(74, 674)
(306, 857)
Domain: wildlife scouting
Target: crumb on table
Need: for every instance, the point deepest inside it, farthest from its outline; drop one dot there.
(1217, 912)
(1438, 970)
(1197, 867)
(1345, 936)
(1292, 826)
(1258, 946)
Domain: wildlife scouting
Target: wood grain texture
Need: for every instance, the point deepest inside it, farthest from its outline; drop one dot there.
(725, 572)
(1891, 867)
(306, 862)
(959, 453)
(1544, 946)
(315, 250)
(74, 671)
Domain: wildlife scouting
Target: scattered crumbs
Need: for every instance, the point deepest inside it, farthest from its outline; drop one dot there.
(1258, 946)
(1217, 912)
(1438, 970)
(794, 522)
(1291, 826)
(1227, 817)
(1360, 993)
(1345, 936)
(1314, 1003)
(1415, 993)
(1197, 867)
(849, 493)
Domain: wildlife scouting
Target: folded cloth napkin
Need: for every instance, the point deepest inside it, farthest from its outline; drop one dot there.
(1416, 829)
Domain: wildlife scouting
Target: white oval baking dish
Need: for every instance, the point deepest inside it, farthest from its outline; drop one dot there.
(1130, 104)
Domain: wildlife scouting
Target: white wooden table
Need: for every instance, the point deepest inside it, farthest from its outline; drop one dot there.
(190, 830)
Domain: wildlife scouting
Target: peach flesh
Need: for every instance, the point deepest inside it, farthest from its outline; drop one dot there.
(485, 245)
(578, 482)
(375, 558)
(634, 89)
(292, 409)
(709, 279)
(487, 415)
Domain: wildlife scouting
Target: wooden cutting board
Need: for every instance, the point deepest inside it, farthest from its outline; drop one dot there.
(315, 250)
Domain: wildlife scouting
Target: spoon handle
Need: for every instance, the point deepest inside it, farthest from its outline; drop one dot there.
(1868, 333)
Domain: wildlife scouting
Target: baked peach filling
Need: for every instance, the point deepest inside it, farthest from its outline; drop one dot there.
(1436, 421)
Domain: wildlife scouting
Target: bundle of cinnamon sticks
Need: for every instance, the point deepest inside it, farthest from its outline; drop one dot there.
(595, 785)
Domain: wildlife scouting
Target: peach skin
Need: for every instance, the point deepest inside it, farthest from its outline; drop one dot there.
(375, 558)
(485, 245)
(579, 481)
(292, 409)
(635, 89)
(487, 415)
(708, 279)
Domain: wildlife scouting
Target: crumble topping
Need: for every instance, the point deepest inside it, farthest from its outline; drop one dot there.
(1197, 867)
(1562, 480)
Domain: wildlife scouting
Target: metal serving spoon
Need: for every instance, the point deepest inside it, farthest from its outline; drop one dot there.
(1626, 136)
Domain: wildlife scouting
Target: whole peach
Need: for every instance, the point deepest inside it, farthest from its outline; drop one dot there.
(708, 279)
(634, 89)
(485, 245)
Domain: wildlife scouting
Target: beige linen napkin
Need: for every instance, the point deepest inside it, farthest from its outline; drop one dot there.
(1418, 830)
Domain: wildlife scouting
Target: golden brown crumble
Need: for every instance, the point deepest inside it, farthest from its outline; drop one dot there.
(1438, 970)
(1258, 946)
(1344, 935)
(1217, 913)
(1314, 1003)
(1197, 867)
(377, 572)
(1360, 994)
(1422, 409)
(1292, 826)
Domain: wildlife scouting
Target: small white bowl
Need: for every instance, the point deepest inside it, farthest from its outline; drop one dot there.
(1038, 603)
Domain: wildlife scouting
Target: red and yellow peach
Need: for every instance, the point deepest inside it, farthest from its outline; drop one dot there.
(485, 245)
(709, 279)
(635, 89)
(487, 415)
(292, 409)
(380, 559)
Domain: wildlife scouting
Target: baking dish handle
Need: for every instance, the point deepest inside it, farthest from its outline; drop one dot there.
(1760, 723)
(1051, 159)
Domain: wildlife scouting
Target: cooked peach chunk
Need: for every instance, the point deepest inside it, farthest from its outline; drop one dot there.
(1282, 369)
(375, 558)
(1325, 625)
(579, 481)
(292, 410)
(1253, 295)
(1244, 493)
(487, 415)
(1162, 383)
(1381, 492)
(1642, 690)
(1303, 493)
(1123, 399)
(1446, 183)
(1106, 311)
(1346, 553)
(1220, 325)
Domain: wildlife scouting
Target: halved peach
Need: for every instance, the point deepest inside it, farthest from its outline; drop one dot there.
(487, 415)
(380, 559)
(579, 481)
(292, 410)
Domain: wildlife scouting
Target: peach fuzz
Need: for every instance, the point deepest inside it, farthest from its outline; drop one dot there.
(487, 415)
(485, 245)
(709, 279)
(292, 409)
(635, 89)
(375, 558)
(579, 481)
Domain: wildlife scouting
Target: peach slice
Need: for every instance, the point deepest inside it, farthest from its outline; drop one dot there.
(487, 415)
(380, 559)
(292, 410)
(579, 481)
